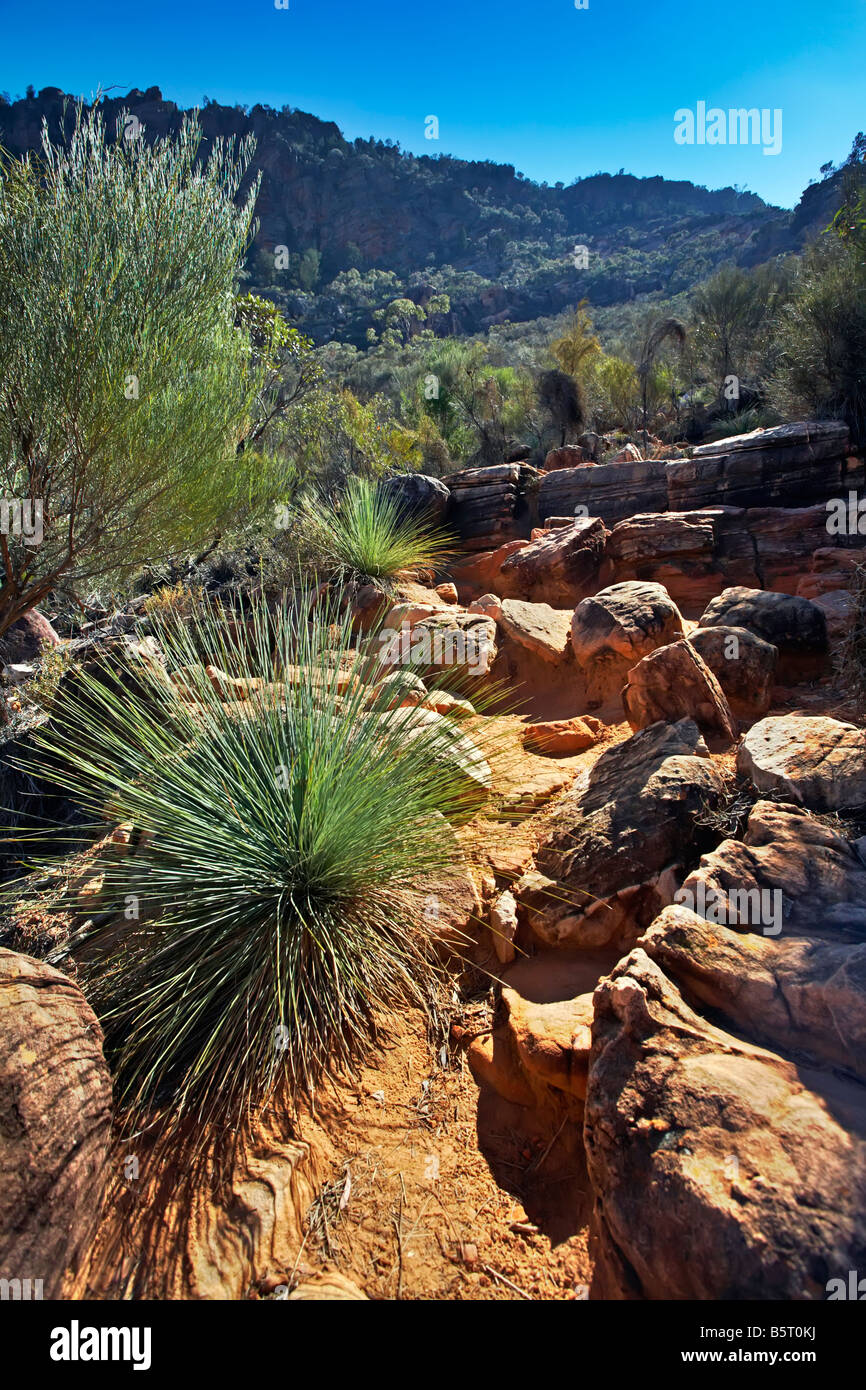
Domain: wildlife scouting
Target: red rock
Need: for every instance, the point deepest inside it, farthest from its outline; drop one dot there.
(559, 738)
(55, 1122)
(447, 592)
(672, 683)
(569, 456)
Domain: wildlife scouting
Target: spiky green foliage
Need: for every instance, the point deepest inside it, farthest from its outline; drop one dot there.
(366, 533)
(290, 842)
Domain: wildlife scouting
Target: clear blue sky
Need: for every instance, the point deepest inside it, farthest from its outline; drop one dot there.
(556, 91)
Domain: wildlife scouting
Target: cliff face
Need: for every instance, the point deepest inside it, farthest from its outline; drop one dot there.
(507, 242)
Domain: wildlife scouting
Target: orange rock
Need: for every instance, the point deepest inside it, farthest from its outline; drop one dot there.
(447, 592)
(559, 738)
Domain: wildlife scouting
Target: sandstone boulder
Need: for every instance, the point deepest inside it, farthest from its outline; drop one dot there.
(613, 630)
(610, 862)
(419, 496)
(722, 1170)
(568, 456)
(452, 640)
(839, 609)
(794, 625)
(448, 746)
(55, 1120)
(743, 664)
(791, 868)
(673, 683)
(629, 453)
(561, 738)
(830, 568)
(802, 994)
(24, 640)
(552, 1040)
(490, 605)
(558, 568)
(542, 630)
(447, 592)
(816, 761)
(503, 926)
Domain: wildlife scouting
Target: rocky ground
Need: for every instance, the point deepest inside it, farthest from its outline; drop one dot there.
(647, 1079)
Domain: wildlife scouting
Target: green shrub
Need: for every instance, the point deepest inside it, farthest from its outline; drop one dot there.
(366, 535)
(288, 846)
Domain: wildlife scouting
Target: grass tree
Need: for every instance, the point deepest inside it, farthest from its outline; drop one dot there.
(366, 534)
(125, 385)
(657, 333)
(279, 900)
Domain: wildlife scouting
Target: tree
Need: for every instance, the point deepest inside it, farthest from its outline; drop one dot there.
(308, 269)
(728, 312)
(578, 344)
(614, 392)
(287, 369)
(822, 338)
(560, 395)
(399, 319)
(125, 386)
(662, 331)
(477, 407)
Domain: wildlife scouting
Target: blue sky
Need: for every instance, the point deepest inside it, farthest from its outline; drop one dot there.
(556, 91)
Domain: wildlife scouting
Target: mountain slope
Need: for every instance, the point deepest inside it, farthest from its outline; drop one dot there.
(500, 245)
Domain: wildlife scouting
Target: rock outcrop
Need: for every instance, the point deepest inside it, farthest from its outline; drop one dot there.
(55, 1120)
(610, 861)
(805, 461)
(607, 490)
(484, 504)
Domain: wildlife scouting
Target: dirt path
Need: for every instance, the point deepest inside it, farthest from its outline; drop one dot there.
(447, 1192)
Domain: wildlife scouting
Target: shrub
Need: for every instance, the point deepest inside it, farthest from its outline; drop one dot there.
(274, 906)
(366, 535)
(851, 657)
(125, 386)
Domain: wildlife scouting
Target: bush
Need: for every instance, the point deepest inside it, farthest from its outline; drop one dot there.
(366, 535)
(125, 386)
(851, 657)
(274, 906)
(822, 337)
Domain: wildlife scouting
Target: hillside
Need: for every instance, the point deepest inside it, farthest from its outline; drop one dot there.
(363, 221)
